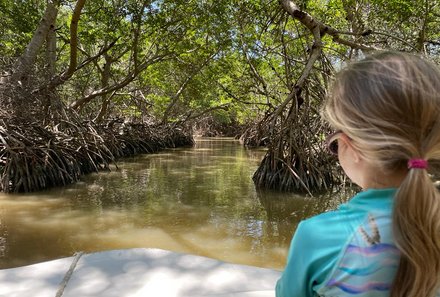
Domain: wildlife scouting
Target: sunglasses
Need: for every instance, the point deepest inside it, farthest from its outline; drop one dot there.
(332, 142)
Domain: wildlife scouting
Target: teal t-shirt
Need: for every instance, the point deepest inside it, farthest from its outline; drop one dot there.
(347, 252)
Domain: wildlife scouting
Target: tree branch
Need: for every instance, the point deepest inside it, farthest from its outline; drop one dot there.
(316, 28)
(394, 37)
(128, 79)
(73, 40)
(60, 79)
(102, 51)
(236, 98)
(308, 21)
(203, 112)
(183, 86)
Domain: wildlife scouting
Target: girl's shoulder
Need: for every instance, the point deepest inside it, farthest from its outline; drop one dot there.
(366, 257)
(359, 213)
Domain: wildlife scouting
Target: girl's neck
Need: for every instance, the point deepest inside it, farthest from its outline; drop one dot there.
(380, 180)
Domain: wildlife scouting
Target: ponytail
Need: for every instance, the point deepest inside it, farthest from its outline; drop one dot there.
(389, 105)
(416, 227)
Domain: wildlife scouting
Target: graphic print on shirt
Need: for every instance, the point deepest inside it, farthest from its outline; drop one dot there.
(368, 264)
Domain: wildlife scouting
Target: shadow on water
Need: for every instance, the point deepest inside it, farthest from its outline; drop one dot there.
(199, 200)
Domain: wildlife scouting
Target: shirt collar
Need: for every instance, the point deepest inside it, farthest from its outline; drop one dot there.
(373, 199)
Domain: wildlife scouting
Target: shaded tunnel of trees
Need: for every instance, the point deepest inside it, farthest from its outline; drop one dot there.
(84, 83)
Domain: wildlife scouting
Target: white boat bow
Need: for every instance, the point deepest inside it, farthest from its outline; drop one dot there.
(137, 272)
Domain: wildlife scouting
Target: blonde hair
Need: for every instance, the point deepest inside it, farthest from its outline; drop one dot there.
(389, 105)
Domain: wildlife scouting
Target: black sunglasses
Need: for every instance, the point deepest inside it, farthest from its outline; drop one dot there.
(332, 142)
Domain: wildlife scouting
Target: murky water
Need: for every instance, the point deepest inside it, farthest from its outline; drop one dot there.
(198, 200)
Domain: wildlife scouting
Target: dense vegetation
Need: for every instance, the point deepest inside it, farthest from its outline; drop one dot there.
(71, 69)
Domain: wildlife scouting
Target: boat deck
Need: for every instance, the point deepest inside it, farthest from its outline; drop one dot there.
(137, 272)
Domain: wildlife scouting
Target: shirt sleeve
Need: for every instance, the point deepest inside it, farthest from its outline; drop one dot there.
(294, 280)
(312, 255)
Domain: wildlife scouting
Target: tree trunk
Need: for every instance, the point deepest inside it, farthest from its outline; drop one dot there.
(51, 52)
(60, 79)
(24, 63)
(50, 70)
(105, 78)
(73, 40)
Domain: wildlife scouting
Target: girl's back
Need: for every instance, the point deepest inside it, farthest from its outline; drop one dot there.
(386, 240)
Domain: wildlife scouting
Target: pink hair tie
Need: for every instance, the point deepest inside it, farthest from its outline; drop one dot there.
(417, 163)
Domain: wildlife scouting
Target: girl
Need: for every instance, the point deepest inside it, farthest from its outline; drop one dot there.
(386, 240)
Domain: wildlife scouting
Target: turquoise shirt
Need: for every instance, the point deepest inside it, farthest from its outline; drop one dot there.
(347, 252)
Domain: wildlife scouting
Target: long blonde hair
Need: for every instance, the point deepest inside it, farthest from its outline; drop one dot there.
(389, 105)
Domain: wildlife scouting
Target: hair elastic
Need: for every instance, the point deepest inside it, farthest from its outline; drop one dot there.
(417, 163)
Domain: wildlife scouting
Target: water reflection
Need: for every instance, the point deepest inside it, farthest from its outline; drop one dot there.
(198, 200)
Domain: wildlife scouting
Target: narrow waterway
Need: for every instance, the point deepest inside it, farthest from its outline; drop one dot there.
(199, 200)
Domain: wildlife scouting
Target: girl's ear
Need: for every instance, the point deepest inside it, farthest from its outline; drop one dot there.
(352, 150)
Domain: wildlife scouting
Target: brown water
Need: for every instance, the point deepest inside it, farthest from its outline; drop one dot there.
(198, 200)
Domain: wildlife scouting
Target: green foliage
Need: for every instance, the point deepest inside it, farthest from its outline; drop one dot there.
(18, 20)
(239, 59)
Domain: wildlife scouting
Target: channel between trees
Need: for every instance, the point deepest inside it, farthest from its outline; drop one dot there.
(83, 83)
